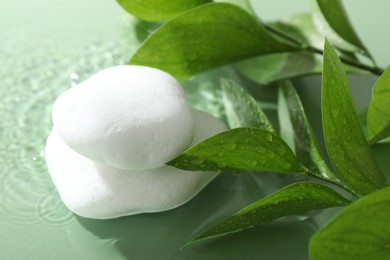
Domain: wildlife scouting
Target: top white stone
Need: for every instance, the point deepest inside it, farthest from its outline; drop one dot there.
(128, 117)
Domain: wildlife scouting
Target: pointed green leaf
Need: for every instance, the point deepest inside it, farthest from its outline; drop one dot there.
(241, 109)
(378, 117)
(307, 148)
(294, 199)
(284, 118)
(330, 16)
(204, 38)
(247, 149)
(345, 141)
(158, 10)
(359, 232)
(269, 68)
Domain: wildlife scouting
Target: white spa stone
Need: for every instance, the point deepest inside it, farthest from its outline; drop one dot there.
(98, 191)
(128, 117)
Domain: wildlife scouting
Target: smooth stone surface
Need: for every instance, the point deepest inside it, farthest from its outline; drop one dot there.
(128, 117)
(98, 191)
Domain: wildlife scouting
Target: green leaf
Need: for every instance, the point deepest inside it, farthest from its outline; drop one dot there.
(307, 148)
(378, 117)
(158, 10)
(247, 149)
(359, 232)
(269, 68)
(241, 109)
(330, 16)
(204, 38)
(293, 199)
(345, 141)
(285, 124)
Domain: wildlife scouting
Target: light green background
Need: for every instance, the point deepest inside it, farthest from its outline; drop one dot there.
(48, 45)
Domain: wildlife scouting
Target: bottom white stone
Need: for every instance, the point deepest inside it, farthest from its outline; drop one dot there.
(99, 191)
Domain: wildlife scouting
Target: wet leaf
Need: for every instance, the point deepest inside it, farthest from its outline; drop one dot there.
(378, 117)
(307, 148)
(241, 109)
(331, 17)
(158, 10)
(294, 199)
(345, 141)
(247, 149)
(204, 38)
(359, 232)
(286, 129)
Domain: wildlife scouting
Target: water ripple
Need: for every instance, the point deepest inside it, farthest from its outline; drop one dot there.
(51, 210)
(30, 80)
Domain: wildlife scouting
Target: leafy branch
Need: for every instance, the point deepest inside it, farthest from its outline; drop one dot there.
(202, 36)
(373, 69)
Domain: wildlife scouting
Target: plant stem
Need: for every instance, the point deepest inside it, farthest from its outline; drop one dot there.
(373, 69)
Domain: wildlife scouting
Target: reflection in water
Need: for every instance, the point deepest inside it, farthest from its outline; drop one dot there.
(167, 231)
(51, 211)
(87, 245)
(161, 235)
(288, 239)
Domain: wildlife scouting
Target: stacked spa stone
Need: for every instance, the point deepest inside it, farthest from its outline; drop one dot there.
(113, 135)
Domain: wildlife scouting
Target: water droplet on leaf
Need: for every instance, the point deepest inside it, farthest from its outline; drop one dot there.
(260, 149)
(268, 137)
(286, 165)
(251, 162)
(231, 146)
(198, 161)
